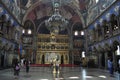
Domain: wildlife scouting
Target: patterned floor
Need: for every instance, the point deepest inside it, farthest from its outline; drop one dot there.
(66, 73)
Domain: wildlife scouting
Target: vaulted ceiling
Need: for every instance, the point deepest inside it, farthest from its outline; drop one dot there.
(78, 12)
(43, 9)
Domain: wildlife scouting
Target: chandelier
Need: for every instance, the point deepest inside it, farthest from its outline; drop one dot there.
(56, 22)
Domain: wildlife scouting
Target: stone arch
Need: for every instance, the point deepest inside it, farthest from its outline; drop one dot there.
(29, 24)
(69, 8)
(42, 26)
(77, 26)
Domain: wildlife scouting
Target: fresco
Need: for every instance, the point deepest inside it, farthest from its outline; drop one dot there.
(13, 5)
(95, 9)
(89, 9)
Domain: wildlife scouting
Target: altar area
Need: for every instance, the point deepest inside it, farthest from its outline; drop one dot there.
(52, 47)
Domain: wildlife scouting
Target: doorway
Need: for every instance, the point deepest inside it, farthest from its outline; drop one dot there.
(43, 59)
(103, 60)
(2, 60)
(62, 59)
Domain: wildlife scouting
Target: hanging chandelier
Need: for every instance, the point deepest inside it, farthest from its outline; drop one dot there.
(56, 22)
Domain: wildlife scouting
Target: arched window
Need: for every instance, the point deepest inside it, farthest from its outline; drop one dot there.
(113, 22)
(99, 30)
(106, 28)
(2, 22)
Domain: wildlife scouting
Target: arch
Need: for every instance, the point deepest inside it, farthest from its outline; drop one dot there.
(42, 22)
(44, 27)
(32, 23)
(101, 55)
(69, 8)
(30, 9)
(29, 24)
(77, 26)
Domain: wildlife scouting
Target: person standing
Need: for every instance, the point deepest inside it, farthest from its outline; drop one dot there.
(110, 66)
(16, 67)
(57, 66)
(27, 64)
(119, 63)
(119, 66)
(22, 62)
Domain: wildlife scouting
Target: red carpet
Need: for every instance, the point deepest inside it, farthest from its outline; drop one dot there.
(47, 65)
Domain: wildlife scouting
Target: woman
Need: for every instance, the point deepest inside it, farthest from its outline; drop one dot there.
(16, 67)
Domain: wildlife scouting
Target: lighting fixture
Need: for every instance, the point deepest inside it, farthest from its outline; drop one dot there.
(56, 22)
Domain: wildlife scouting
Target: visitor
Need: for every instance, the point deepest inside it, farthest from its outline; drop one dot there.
(16, 67)
(57, 66)
(110, 67)
(119, 63)
(27, 64)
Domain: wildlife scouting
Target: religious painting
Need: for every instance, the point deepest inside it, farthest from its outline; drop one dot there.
(14, 7)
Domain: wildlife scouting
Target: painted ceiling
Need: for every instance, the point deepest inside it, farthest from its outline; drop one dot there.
(81, 12)
(76, 10)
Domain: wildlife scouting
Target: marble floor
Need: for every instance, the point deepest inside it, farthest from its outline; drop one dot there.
(66, 73)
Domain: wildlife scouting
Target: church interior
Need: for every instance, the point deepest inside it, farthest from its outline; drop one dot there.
(77, 33)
